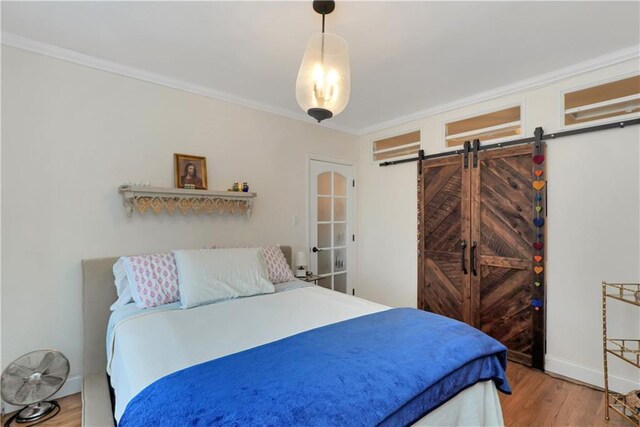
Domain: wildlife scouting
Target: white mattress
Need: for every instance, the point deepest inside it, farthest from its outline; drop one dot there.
(145, 345)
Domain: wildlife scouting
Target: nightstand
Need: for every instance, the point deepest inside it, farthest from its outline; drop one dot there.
(311, 278)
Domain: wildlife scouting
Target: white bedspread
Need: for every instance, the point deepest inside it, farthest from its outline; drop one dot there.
(145, 345)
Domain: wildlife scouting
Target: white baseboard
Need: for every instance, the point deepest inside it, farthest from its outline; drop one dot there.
(72, 386)
(587, 374)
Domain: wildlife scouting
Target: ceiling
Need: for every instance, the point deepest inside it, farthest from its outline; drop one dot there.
(405, 56)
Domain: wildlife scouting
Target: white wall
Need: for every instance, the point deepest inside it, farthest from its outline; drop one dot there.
(593, 234)
(593, 225)
(71, 135)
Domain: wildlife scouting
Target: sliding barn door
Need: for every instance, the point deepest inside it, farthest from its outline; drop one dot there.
(443, 215)
(503, 282)
(481, 244)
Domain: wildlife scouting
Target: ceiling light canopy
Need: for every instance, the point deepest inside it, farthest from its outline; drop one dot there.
(324, 81)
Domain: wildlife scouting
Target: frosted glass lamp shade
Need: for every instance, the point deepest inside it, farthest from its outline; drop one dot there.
(301, 259)
(324, 79)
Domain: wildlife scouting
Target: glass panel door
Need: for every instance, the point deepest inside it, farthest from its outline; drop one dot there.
(330, 224)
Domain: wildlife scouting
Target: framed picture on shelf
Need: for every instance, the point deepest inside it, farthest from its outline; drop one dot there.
(190, 171)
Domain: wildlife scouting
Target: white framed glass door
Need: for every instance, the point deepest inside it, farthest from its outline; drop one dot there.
(330, 224)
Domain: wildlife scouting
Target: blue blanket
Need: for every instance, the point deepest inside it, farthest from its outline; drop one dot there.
(388, 368)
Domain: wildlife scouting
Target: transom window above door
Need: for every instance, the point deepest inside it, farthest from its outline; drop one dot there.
(494, 126)
(602, 103)
(396, 147)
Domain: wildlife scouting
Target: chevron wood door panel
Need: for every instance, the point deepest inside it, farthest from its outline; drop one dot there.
(505, 312)
(503, 233)
(443, 216)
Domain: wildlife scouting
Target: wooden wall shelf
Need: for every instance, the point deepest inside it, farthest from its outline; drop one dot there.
(158, 199)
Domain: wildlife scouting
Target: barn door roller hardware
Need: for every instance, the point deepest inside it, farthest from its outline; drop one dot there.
(538, 138)
(467, 146)
(476, 147)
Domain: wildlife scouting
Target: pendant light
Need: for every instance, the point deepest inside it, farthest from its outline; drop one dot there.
(324, 82)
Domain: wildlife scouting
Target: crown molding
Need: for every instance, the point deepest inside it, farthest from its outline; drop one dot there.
(24, 43)
(523, 85)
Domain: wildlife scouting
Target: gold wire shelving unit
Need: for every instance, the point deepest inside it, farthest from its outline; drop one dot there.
(627, 349)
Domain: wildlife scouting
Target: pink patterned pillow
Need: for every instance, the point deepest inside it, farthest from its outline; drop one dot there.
(276, 264)
(153, 279)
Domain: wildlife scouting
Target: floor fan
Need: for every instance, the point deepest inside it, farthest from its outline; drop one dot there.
(31, 379)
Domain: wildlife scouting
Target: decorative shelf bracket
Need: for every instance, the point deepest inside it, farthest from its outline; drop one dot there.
(157, 199)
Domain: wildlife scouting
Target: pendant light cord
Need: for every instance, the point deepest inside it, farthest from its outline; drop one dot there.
(322, 47)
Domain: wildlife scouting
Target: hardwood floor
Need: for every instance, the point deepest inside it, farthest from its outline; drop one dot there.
(537, 400)
(70, 414)
(541, 400)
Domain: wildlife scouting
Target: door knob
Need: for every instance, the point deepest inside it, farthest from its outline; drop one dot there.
(314, 250)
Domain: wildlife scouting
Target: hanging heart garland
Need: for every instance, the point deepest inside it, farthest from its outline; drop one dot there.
(538, 184)
(537, 304)
(538, 159)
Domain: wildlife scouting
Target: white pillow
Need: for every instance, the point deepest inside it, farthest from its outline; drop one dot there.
(122, 285)
(210, 275)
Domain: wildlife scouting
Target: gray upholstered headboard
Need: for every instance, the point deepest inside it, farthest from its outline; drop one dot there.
(98, 293)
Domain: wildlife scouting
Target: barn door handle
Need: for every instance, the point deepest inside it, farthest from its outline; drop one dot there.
(474, 245)
(463, 245)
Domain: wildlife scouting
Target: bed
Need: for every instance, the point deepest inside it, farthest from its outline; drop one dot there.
(146, 347)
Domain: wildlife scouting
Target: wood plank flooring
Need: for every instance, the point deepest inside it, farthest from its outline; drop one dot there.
(541, 400)
(537, 400)
(70, 414)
